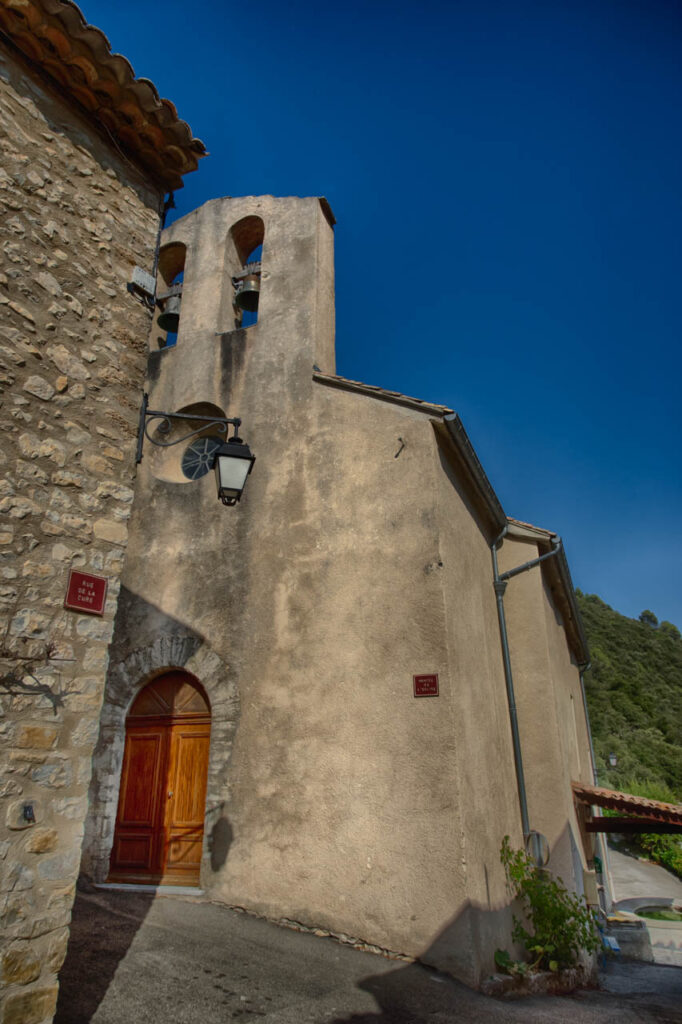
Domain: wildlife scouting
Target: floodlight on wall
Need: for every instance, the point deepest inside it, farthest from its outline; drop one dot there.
(233, 460)
(143, 286)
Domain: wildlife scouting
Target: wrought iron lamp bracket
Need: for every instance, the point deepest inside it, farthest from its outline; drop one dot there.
(149, 416)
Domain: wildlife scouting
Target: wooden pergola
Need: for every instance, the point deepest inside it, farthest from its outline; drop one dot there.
(637, 813)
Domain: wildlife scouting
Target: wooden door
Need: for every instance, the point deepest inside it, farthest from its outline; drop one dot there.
(160, 820)
(184, 821)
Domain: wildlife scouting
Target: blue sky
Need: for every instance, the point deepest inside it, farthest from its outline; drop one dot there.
(506, 181)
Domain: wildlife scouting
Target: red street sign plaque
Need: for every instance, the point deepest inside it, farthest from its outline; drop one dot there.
(425, 686)
(86, 593)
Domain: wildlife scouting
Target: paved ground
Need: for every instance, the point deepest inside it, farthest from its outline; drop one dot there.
(138, 960)
(635, 880)
(634, 877)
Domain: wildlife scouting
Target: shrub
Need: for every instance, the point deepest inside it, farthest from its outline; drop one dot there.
(561, 923)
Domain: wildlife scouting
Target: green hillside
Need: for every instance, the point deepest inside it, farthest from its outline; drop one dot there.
(634, 695)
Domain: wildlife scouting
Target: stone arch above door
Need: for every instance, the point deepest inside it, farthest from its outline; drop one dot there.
(125, 679)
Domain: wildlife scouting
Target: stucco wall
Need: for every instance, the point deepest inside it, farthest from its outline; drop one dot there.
(355, 560)
(488, 798)
(347, 800)
(75, 218)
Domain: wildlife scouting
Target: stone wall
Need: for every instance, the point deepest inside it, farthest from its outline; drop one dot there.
(74, 219)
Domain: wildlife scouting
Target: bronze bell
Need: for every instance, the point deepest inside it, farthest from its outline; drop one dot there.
(170, 318)
(248, 289)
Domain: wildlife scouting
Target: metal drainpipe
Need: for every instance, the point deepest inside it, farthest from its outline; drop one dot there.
(169, 204)
(601, 840)
(582, 669)
(500, 585)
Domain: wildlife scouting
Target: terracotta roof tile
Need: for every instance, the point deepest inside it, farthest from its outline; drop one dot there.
(55, 36)
(531, 526)
(637, 805)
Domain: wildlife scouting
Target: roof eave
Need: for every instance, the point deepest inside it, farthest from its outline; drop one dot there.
(476, 475)
(394, 397)
(75, 58)
(546, 538)
(575, 628)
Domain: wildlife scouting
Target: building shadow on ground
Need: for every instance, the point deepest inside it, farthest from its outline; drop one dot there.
(102, 931)
(422, 993)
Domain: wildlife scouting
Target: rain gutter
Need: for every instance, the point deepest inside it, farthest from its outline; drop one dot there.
(500, 581)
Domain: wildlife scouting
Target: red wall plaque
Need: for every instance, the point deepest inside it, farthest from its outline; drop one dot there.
(86, 593)
(425, 686)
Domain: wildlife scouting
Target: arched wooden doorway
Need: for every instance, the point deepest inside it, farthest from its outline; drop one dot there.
(160, 819)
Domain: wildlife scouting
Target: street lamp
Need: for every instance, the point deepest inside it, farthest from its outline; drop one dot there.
(233, 463)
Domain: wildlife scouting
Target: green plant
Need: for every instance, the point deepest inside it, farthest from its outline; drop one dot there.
(561, 923)
(658, 915)
(662, 848)
(517, 968)
(635, 698)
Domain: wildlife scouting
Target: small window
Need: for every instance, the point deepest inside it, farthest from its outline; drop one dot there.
(187, 448)
(199, 457)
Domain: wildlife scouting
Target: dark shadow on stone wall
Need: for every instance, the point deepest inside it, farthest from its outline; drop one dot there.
(219, 841)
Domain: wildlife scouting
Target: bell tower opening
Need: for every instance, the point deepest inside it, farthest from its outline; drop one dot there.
(169, 285)
(245, 246)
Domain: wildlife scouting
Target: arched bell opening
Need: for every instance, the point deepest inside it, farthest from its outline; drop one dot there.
(158, 836)
(245, 260)
(169, 285)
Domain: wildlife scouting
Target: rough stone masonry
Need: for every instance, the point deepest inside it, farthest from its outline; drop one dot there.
(74, 218)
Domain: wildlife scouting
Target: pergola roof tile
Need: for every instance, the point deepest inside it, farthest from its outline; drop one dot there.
(670, 814)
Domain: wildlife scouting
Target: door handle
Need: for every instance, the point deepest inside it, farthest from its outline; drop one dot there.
(170, 793)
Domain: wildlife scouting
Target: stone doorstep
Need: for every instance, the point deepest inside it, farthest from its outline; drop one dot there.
(504, 986)
(155, 890)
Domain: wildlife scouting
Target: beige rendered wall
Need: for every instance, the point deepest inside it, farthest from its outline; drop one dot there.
(484, 760)
(73, 221)
(551, 715)
(335, 797)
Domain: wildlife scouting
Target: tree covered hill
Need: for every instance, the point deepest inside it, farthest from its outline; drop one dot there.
(634, 696)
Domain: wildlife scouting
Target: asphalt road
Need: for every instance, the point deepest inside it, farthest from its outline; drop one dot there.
(134, 959)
